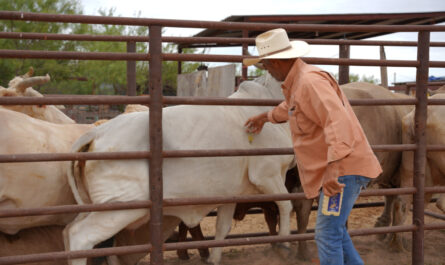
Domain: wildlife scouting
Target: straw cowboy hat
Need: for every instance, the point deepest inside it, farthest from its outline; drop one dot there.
(275, 44)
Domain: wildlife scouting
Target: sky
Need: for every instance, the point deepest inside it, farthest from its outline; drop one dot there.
(219, 10)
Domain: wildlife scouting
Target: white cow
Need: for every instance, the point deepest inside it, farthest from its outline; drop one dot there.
(437, 91)
(184, 127)
(37, 184)
(435, 161)
(20, 86)
(47, 186)
(24, 185)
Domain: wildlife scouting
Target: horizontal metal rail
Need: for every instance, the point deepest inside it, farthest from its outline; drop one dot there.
(173, 100)
(63, 255)
(64, 18)
(48, 157)
(194, 40)
(435, 215)
(52, 256)
(64, 209)
(293, 232)
(33, 54)
(188, 201)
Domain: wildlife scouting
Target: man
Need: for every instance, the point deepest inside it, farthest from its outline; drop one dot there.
(330, 147)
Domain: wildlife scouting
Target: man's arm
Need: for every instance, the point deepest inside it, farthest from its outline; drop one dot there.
(278, 114)
(255, 124)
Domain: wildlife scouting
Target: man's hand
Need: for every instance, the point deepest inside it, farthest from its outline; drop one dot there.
(331, 186)
(255, 124)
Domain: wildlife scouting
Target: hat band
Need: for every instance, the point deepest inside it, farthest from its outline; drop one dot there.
(275, 52)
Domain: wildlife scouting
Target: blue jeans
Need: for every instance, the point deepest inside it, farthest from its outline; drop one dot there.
(333, 242)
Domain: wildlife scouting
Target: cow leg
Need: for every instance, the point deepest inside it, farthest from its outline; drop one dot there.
(303, 210)
(273, 186)
(437, 179)
(270, 211)
(197, 235)
(386, 217)
(223, 224)
(88, 230)
(182, 237)
(401, 204)
(440, 203)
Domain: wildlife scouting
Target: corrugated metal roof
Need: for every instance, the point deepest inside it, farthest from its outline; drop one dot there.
(429, 18)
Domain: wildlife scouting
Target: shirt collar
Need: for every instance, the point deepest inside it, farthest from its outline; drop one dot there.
(294, 73)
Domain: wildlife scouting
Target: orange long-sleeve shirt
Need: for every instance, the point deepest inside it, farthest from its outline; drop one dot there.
(324, 128)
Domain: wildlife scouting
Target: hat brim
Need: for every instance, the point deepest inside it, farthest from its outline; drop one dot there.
(299, 48)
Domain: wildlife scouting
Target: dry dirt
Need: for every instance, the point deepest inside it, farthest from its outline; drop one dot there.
(372, 250)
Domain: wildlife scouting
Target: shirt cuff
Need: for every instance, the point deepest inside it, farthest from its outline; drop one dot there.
(270, 116)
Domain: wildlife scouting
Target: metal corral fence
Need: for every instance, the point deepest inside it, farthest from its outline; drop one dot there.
(156, 101)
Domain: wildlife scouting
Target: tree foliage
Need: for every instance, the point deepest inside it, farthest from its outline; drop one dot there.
(79, 76)
(58, 68)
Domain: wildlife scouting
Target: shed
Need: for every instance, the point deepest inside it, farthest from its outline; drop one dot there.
(425, 18)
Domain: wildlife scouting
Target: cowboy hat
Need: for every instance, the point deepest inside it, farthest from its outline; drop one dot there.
(275, 44)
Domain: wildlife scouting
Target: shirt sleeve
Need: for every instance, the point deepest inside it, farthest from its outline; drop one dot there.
(324, 106)
(279, 114)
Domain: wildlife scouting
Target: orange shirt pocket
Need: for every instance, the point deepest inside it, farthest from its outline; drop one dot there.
(299, 123)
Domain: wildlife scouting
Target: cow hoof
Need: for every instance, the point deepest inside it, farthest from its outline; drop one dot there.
(204, 253)
(182, 254)
(381, 222)
(304, 255)
(381, 237)
(397, 243)
(210, 261)
(283, 250)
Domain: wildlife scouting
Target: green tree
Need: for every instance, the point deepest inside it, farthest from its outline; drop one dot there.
(57, 68)
(79, 76)
(255, 71)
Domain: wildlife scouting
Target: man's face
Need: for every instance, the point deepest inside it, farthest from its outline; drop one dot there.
(277, 68)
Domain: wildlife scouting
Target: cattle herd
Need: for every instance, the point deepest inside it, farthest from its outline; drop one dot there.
(46, 129)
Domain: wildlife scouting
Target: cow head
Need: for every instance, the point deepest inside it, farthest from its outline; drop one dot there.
(21, 86)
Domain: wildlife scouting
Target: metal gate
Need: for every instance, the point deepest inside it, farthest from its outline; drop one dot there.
(156, 101)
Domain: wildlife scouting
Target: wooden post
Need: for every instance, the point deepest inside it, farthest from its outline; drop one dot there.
(245, 52)
(131, 71)
(343, 70)
(179, 62)
(383, 69)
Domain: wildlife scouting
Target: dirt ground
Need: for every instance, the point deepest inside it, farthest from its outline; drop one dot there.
(372, 250)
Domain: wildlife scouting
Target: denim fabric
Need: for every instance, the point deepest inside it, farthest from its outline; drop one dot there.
(333, 242)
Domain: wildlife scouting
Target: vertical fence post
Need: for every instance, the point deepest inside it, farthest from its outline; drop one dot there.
(383, 69)
(179, 62)
(245, 52)
(155, 163)
(131, 71)
(420, 153)
(343, 70)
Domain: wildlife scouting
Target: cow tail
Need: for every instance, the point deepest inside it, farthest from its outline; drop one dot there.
(76, 170)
